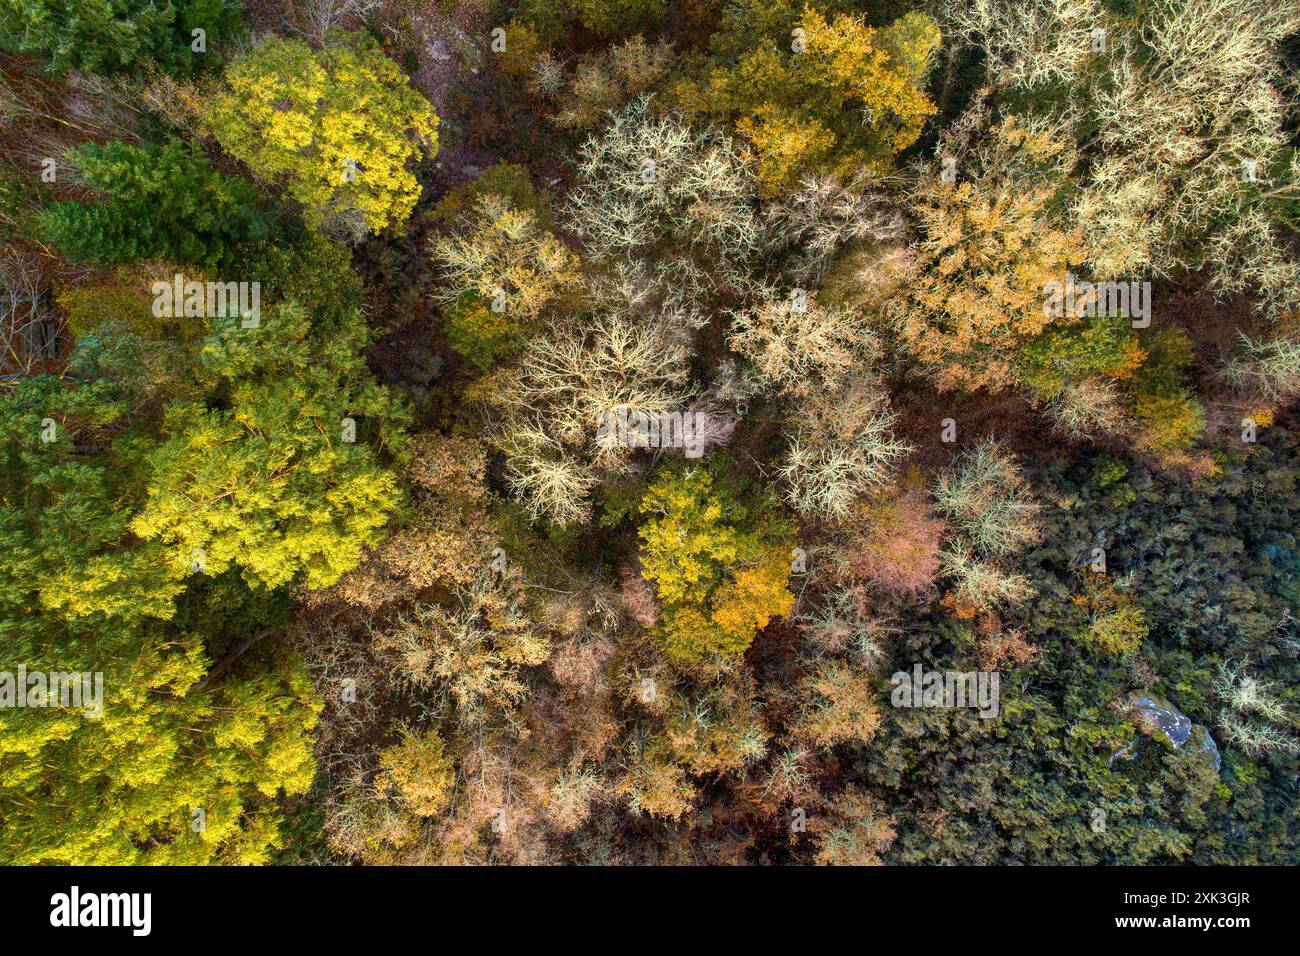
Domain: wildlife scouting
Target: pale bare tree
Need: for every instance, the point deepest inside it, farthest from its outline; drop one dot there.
(1182, 116)
(29, 332)
(800, 347)
(841, 449)
(552, 403)
(681, 200)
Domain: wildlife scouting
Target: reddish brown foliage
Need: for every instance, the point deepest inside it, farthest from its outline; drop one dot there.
(896, 545)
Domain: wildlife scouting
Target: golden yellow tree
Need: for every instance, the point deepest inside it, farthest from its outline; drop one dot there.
(338, 126)
(720, 575)
(990, 247)
(808, 92)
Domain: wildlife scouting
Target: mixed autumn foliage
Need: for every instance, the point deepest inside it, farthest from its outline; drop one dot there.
(367, 579)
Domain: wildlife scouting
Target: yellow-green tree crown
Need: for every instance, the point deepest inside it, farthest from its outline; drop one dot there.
(338, 126)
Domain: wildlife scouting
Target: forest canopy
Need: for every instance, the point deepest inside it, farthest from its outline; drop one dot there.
(585, 432)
